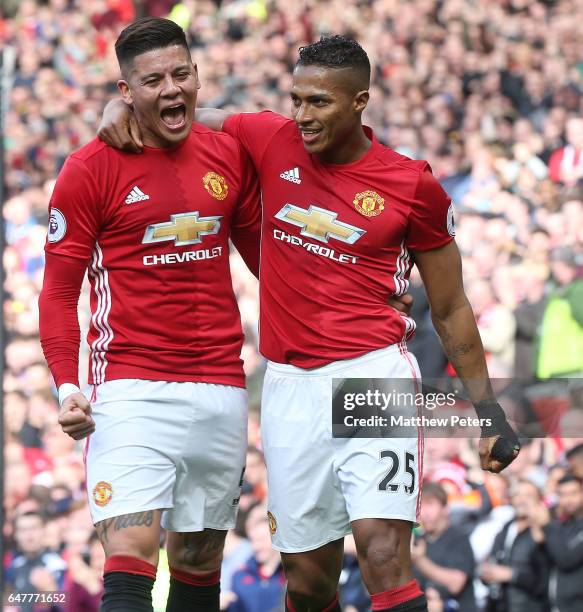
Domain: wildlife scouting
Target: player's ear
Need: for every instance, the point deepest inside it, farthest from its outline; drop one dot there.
(361, 100)
(196, 75)
(124, 90)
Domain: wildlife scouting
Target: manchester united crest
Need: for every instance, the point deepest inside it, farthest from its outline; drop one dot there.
(102, 493)
(272, 523)
(216, 185)
(369, 203)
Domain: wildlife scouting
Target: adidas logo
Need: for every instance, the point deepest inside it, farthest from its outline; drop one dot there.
(293, 175)
(136, 195)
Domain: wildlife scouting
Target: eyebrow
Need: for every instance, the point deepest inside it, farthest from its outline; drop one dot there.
(311, 96)
(158, 74)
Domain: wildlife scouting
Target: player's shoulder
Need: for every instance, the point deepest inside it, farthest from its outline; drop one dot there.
(202, 133)
(93, 150)
(97, 158)
(267, 121)
(412, 167)
(213, 145)
(265, 116)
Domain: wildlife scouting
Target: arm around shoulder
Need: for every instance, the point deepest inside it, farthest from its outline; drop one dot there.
(213, 118)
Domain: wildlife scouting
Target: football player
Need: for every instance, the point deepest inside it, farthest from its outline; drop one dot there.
(167, 419)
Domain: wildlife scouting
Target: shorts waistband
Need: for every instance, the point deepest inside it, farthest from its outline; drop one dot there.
(335, 366)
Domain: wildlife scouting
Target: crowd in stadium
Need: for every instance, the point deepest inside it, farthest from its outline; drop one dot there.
(491, 94)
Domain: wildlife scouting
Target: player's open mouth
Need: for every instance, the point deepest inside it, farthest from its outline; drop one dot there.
(174, 117)
(310, 136)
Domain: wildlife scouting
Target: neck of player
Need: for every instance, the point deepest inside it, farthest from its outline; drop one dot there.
(351, 148)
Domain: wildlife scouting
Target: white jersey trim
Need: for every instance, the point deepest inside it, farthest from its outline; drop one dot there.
(100, 318)
(403, 265)
(402, 284)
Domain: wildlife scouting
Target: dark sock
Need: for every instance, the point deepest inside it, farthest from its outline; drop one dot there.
(193, 592)
(128, 583)
(405, 598)
(333, 606)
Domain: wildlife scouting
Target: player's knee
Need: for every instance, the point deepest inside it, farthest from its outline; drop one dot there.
(189, 561)
(310, 589)
(138, 549)
(196, 552)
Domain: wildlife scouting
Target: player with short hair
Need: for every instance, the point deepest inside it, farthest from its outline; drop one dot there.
(168, 414)
(344, 219)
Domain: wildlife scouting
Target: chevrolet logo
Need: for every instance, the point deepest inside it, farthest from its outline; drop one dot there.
(184, 228)
(319, 223)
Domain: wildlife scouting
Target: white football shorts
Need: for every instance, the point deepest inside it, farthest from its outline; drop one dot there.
(176, 446)
(317, 484)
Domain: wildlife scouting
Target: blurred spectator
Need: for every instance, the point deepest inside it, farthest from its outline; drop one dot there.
(517, 570)
(528, 315)
(259, 586)
(442, 556)
(34, 568)
(562, 539)
(497, 327)
(84, 581)
(551, 495)
(561, 335)
(484, 533)
(566, 163)
(575, 460)
(255, 477)
(235, 553)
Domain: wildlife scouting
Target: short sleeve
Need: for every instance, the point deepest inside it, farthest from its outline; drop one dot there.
(255, 131)
(431, 222)
(74, 219)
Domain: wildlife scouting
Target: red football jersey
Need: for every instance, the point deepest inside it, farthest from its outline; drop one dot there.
(154, 232)
(336, 242)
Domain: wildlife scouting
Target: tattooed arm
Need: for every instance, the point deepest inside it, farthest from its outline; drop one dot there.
(441, 270)
(454, 321)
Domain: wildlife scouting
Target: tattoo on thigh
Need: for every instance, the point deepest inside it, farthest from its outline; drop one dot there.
(137, 519)
(202, 546)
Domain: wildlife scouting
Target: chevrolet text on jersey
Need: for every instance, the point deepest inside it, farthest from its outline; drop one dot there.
(318, 249)
(174, 258)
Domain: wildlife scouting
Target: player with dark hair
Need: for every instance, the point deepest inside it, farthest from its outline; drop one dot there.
(344, 219)
(168, 414)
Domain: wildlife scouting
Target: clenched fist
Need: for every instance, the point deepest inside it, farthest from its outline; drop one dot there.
(75, 417)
